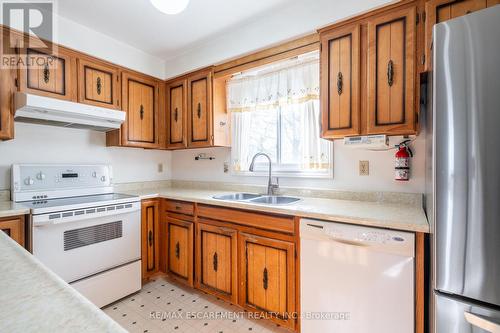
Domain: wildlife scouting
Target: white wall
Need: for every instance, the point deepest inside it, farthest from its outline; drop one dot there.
(84, 39)
(48, 144)
(296, 19)
(346, 177)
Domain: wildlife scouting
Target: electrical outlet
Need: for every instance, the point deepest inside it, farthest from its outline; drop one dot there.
(160, 167)
(226, 167)
(364, 168)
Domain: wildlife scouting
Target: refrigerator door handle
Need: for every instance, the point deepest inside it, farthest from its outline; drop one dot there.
(483, 322)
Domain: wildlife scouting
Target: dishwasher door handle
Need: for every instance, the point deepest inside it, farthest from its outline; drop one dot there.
(348, 242)
(482, 322)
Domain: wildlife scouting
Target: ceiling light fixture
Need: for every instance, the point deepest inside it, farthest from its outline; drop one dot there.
(170, 7)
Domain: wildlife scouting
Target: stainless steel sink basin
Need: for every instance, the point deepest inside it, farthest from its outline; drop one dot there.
(236, 196)
(274, 200)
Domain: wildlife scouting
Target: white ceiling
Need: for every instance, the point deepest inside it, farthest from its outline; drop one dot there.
(139, 24)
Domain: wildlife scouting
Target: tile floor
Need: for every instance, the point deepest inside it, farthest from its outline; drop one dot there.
(162, 306)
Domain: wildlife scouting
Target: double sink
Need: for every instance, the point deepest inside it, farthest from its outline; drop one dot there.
(257, 198)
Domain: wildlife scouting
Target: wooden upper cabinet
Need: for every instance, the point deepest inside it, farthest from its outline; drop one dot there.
(98, 84)
(149, 237)
(200, 110)
(340, 82)
(217, 261)
(268, 276)
(391, 73)
(48, 75)
(140, 101)
(180, 247)
(438, 11)
(176, 114)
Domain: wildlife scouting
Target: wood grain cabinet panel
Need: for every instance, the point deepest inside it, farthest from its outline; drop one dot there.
(216, 261)
(200, 110)
(268, 277)
(98, 84)
(14, 228)
(438, 11)
(140, 101)
(149, 237)
(180, 250)
(48, 75)
(8, 87)
(176, 114)
(340, 84)
(391, 73)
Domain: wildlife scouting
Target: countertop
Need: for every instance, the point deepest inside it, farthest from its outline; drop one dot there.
(33, 299)
(9, 208)
(375, 214)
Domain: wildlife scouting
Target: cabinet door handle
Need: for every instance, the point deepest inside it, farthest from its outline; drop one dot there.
(141, 112)
(177, 250)
(265, 279)
(178, 207)
(175, 115)
(199, 110)
(46, 73)
(98, 85)
(150, 238)
(215, 262)
(390, 73)
(340, 83)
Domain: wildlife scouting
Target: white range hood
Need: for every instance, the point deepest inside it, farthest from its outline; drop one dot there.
(50, 111)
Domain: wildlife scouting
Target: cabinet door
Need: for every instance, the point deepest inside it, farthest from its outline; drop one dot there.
(216, 261)
(177, 99)
(340, 61)
(200, 110)
(48, 75)
(180, 250)
(442, 10)
(98, 84)
(391, 73)
(140, 101)
(268, 277)
(150, 235)
(8, 87)
(14, 228)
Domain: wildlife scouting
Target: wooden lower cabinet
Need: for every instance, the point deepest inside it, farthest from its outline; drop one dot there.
(149, 237)
(14, 228)
(216, 261)
(268, 277)
(180, 246)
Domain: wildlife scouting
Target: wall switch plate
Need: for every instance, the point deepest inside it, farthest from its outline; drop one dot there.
(364, 168)
(160, 167)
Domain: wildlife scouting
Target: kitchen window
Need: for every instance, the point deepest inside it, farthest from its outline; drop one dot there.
(275, 110)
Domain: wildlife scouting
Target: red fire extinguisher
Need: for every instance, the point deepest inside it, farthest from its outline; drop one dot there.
(402, 165)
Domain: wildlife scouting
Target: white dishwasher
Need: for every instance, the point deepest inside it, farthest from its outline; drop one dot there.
(356, 279)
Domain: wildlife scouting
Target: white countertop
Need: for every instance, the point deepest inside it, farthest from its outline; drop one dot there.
(376, 214)
(33, 299)
(9, 208)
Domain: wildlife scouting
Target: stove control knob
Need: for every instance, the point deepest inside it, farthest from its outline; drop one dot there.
(29, 181)
(40, 176)
(103, 178)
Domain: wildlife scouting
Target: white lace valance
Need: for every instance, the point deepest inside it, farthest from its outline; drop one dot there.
(296, 84)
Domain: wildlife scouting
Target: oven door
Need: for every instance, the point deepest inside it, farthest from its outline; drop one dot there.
(78, 248)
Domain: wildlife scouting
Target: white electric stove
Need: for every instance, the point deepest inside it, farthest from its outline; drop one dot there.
(85, 233)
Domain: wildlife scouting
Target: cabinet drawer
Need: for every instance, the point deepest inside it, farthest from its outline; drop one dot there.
(180, 207)
(264, 221)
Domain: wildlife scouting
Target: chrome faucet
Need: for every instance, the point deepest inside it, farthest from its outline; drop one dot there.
(271, 188)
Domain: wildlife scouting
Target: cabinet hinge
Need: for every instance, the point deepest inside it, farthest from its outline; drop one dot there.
(417, 19)
(16, 83)
(320, 47)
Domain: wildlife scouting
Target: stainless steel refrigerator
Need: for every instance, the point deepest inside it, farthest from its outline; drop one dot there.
(463, 187)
